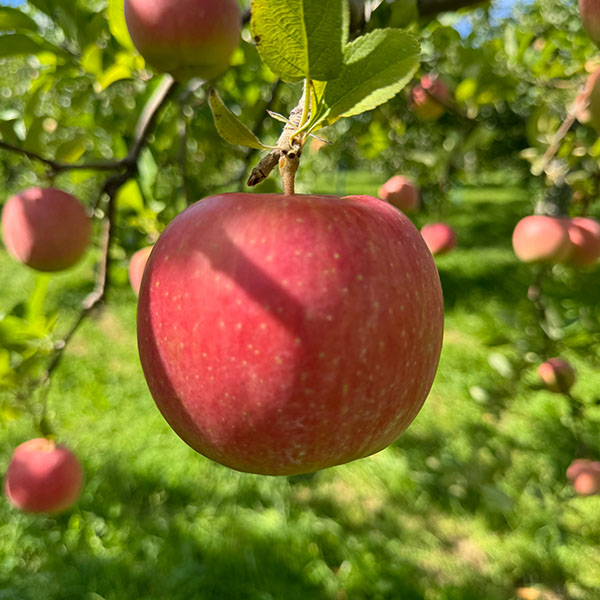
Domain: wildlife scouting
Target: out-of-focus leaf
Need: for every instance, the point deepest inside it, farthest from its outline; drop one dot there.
(117, 23)
(12, 19)
(71, 150)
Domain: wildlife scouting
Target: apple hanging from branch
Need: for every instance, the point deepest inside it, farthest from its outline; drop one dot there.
(282, 334)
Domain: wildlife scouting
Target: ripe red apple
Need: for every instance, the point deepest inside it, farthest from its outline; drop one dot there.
(585, 476)
(557, 374)
(539, 238)
(439, 237)
(46, 229)
(590, 16)
(401, 192)
(584, 234)
(137, 264)
(43, 477)
(285, 334)
(424, 94)
(187, 38)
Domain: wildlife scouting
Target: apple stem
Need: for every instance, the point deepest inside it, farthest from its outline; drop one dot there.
(288, 167)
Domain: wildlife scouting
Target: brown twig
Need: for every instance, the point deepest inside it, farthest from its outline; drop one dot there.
(110, 190)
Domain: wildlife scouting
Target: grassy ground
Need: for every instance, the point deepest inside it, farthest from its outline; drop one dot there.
(471, 503)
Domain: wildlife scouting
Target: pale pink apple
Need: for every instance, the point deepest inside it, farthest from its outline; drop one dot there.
(137, 264)
(285, 334)
(585, 476)
(187, 38)
(557, 374)
(401, 192)
(428, 97)
(539, 238)
(584, 234)
(439, 237)
(46, 229)
(43, 477)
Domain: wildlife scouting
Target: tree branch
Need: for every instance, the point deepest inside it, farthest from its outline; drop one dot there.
(429, 8)
(110, 189)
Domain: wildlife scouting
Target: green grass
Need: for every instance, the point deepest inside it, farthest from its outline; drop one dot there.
(470, 503)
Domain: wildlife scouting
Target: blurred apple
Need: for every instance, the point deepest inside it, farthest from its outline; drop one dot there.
(46, 229)
(590, 16)
(585, 476)
(137, 264)
(439, 237)
(424, 94)
(584, 234)
(401, 192)
(539, 238)
(557, 374)
(43, 477)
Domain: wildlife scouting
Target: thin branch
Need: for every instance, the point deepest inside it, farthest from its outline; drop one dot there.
(57, 166)
(110, 189)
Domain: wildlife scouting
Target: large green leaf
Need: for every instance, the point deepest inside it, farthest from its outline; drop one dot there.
(12, 19)
(376, 67)
(300, 39)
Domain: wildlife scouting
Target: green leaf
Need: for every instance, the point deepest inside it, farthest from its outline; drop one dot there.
(376, 67)
(229, 127)
(71, 151)
(117, 23)
(300, 39)
(12, 19)
(113, 74)
(130, 196)
(18, 43)
(148, 170)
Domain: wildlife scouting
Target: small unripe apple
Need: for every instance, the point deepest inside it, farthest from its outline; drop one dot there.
(590, 16)
(187, 38)
(585, 476)
(439, 237)
(46, 229)
(401, 192)
(584, 234)
(539, 238)
(137, 264)
(424, 94)
(557, 374)
(285, 334)
(43, 477)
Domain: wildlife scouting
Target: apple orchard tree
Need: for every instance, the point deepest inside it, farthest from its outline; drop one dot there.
(267, 320)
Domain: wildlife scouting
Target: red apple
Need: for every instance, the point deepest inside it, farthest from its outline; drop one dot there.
(401, 192)
(584, 234)
(585, 476)
(43, 477)
(424, 94)
(285, 334)
(439, 237)
(46, 229)
(538, 238)
(187, 38)
(557, 374)
(137, 264)
(590, 16)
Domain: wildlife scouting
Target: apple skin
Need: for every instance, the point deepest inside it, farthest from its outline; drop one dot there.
(46, 229)
(401, 192)
(584, 234)
(424, 105)
(439, 237)
(137, 264)
(43, 477)
(187, 38)
(539, 238)
(557, 374)
(590, 16)
(281, 335)
(585, 476)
